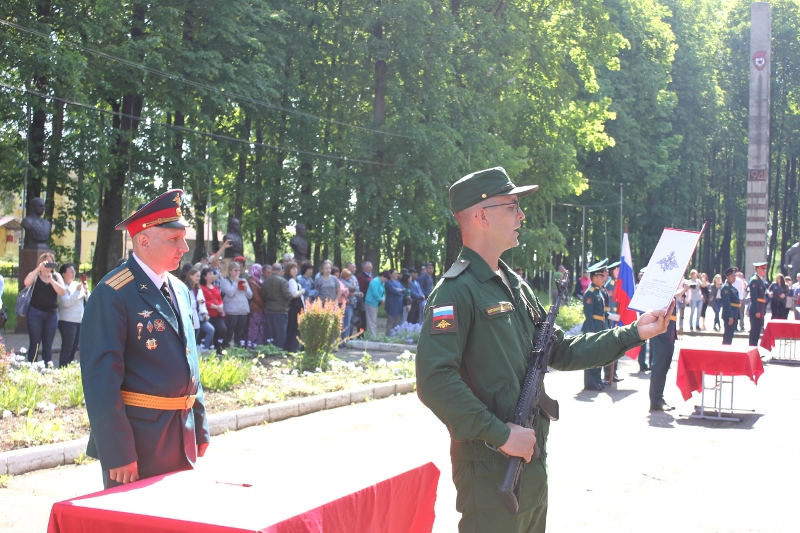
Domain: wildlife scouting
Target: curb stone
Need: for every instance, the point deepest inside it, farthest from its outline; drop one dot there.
(381, 346)
(17, 462)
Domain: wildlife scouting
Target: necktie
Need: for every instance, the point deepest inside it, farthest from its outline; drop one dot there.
(168, 296)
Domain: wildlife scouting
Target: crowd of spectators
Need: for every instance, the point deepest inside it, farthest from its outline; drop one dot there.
(263, 307)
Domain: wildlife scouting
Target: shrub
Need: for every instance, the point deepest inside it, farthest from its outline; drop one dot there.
(570, 315)
(219, 374)
(406, 333)
(320, 325)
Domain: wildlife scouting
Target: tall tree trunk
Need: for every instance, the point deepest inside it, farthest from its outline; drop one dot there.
(36, 128)
(241, 175)
(108, 249)
(374, 231)
(54, 160)
(453, 244)
(259, 230)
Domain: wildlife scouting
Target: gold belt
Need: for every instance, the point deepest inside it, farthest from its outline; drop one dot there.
(762, 300)
(736, 305)
(157, 402)
(598, 317)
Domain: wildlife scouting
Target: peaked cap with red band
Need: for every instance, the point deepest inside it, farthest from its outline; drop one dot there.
(163, 212)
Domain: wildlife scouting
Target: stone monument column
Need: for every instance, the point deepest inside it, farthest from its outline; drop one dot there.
(758, 139)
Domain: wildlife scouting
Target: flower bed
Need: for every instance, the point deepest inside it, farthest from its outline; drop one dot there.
(42, 405)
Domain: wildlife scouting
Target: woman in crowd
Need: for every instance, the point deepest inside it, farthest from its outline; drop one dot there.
(235, 295)
(203, 330)
(778, 292)
(715, 297)
(341, 301)
(42, 317)
(326, 284)
(695, 300)
(394, 301)
(306, 282)
(704, 289)
(256, 328)
(351, 284)
(295, 305)
(70, 313)
(216, 309)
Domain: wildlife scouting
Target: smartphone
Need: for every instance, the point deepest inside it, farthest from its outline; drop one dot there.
(83, 278)
(242, 284)
(50, 265)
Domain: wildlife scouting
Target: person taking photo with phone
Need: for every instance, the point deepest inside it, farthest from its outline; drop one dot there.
(42, 317)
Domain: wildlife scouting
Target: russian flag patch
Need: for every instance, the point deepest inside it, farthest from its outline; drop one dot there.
(444, 319)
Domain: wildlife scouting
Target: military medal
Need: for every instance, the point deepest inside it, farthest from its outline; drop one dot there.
(159, 324)
(150, 327)
(151, 344)
(139, 327)
(145, 314)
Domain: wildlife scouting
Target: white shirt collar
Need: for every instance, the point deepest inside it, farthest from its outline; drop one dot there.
(157, 280)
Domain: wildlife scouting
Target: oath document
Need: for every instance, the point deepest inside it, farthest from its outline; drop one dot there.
(665, 271)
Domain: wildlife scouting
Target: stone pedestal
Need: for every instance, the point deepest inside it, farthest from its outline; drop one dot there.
(27, 263)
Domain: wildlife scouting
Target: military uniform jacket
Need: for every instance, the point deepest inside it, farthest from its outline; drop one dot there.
(594, 310)
(132, 341)
(730, 302)
(474, 349)
(758, 296)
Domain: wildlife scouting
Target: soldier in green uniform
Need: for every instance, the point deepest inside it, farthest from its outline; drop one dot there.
(729, 297)
(139, 365)
(612, 308)
(473, 352)
(595, 316)
(758, 301)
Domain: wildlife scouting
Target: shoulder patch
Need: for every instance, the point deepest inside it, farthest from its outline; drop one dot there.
(456, 268)
(120, 279)
(588, 301)
(443, 319)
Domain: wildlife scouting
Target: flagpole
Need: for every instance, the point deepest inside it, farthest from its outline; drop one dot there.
(614, 364)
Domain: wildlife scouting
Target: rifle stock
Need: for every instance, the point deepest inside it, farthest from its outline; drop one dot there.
(532, 401)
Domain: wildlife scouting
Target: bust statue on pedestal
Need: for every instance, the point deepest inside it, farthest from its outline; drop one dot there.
(299, 244)
(37, 229)
(234, 235)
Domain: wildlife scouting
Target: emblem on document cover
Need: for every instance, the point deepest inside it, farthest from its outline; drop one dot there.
(668, 263)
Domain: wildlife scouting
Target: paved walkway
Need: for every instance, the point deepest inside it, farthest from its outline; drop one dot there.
(613, 465)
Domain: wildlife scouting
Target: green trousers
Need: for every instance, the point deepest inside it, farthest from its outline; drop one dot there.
(482, 511)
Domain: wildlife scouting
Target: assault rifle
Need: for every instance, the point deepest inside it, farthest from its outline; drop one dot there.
(532, 400)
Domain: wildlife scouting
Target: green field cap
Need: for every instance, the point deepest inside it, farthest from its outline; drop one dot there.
(484, 184)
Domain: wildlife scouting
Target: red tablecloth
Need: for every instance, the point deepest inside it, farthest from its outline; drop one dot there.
(729, 361)
(192, 501)
(779, 329)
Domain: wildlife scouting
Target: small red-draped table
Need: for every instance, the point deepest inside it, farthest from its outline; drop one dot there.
(194, 501)
(785, 334)
(695, 363)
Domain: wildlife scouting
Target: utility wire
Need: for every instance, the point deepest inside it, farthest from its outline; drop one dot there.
(199, 85)
(597, 205)
(189, 130)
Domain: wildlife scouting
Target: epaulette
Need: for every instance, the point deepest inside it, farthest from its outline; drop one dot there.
(457, 268)
(120, 279)
(590, 289)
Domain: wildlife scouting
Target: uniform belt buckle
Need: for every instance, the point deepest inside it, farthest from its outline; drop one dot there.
(190, 401)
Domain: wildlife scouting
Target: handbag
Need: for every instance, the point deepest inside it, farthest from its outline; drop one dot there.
(24, 300)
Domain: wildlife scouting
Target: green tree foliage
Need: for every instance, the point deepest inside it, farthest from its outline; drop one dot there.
(354, 117)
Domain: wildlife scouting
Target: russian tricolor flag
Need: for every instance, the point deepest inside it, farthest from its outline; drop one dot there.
(623, 290)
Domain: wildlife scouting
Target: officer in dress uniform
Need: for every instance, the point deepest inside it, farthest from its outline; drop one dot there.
(612, 308)
(480, 323)
(729, 297)
(758, 301)
(139, 363)
(594, 311)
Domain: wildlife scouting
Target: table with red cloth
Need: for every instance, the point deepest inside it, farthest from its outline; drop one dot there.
(723, 360)
(196, 501)
(780, 329)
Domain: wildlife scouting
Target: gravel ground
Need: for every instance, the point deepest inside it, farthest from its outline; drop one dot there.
(613, 465)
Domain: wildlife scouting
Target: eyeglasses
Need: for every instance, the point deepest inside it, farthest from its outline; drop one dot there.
(515, 203)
